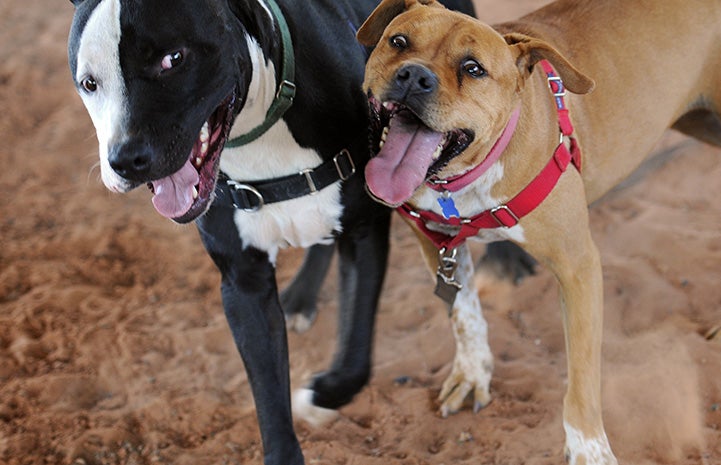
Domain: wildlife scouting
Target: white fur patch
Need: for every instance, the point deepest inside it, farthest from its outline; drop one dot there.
(471, 201)
(595, 451)
(99, 57)
(300, 222)
(473, 363)
(303, 408)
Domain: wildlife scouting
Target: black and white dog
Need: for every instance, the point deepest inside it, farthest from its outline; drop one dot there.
(189, 97)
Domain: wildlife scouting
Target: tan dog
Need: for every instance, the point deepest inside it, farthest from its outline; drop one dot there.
(458, 102)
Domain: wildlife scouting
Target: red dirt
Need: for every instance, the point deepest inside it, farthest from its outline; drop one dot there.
(114, 348)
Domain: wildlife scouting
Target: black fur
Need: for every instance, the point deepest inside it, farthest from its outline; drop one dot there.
(166, 111)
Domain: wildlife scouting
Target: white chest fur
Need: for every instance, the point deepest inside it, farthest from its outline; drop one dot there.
(470, 201)
(299, 222)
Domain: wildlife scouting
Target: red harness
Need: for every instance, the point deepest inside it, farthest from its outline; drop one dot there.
(510, 213)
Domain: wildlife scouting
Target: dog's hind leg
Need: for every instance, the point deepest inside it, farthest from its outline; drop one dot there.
(299, 299)
(506, 260)
(702, 124)
(362, 263)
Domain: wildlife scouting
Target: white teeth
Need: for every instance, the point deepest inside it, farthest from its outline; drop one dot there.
(198, 162)
(205, 132)
(387, 105)
(195, 192)
(384, 136)
(204, 147)
(438, 151)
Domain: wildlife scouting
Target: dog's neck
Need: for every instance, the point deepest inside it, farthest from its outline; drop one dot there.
(459, 181)
(264, 55)
(537, 129)
(517, 165)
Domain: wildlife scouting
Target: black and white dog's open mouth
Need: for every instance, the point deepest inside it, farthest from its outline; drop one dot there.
(187, 193)
(408, 152)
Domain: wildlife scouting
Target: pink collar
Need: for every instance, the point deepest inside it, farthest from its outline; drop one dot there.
(458, 182)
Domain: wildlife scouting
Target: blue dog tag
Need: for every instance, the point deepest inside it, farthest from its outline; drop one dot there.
(448, 207)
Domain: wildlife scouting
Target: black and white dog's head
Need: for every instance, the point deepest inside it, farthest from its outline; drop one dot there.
(163, 81)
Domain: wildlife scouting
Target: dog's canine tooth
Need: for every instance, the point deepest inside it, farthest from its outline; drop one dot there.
(205, 132)
(438, 151)
(384, 136)
(195, 192)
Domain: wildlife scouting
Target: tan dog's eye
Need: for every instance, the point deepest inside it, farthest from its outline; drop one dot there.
(473, 68)
(399, 41)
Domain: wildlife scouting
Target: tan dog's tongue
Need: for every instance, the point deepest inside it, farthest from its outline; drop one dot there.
(174, 194)
(402, 164)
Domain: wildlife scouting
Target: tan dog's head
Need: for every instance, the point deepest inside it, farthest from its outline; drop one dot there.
(441, 84)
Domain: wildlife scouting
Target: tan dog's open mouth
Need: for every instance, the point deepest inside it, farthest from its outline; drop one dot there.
(408, 151)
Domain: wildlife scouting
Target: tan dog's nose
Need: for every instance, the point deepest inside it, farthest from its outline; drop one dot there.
(417, 79)
(413, 82)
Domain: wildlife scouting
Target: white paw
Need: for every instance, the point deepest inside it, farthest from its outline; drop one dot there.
(298, 323)
(303, 408)
(588, 451)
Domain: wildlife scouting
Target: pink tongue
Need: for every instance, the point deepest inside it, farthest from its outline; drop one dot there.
(401, 165)
(174, 194)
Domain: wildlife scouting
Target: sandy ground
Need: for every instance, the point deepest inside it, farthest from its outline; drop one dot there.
(114, 348)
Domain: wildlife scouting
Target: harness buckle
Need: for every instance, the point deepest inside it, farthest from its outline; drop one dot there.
(344, 173)
(309, 179)
(242, 189)
(286, 90)
(506, 218)
(560, 90)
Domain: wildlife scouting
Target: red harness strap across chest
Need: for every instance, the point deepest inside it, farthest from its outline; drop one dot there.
(509, 214)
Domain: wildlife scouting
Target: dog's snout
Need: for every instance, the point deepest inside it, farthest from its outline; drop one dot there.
(416, 79)
(131, 160)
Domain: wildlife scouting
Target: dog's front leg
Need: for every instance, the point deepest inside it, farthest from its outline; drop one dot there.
(252, 308)
(473, 362)
(558, 235)
(363, 255)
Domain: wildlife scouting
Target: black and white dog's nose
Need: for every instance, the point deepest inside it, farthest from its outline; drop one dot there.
(131, 160)
(416, 79)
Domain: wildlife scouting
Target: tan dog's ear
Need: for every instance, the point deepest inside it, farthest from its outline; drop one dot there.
(372, 29)
(530, 51)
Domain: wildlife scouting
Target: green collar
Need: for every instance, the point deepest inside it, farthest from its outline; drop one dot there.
(286, 90)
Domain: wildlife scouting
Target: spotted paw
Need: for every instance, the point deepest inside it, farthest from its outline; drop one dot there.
(464, 383)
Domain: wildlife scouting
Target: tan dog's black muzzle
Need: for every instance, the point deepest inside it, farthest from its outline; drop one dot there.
(412, 85)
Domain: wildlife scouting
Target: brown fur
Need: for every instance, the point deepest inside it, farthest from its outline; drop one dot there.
(657, 66)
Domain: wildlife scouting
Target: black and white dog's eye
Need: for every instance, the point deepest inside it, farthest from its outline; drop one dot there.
(399, 41)
(172, 60)
(89, 84)
(472, 68)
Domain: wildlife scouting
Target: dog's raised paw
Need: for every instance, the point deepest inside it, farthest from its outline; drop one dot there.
(304, 409)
